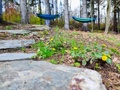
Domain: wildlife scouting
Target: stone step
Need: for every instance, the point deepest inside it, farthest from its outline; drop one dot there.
(39, 27)
(15, 56)
(18, 32)
(41, 75)
(9, 44)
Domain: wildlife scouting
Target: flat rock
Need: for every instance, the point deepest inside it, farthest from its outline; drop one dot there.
(39, 27)
(8, 44)
(15, 56)
(16, 31)
(41, 75)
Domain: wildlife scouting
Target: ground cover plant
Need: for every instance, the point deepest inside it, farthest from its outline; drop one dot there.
(80, 50)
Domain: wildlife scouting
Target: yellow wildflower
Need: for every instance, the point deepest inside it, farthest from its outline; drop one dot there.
(103, 45)
(75, 48)
(53, 49)
(104, 57)
(51, 39)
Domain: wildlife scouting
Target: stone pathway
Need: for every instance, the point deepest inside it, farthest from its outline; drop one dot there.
(39, 27)
(20, 32)
(41, 75)
(19, 72)
(9, 44)
(15, 56)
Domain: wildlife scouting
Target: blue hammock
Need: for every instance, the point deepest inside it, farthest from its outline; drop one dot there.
(48, 16)
(84, 20)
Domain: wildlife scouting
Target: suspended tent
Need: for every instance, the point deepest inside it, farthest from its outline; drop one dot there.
(84, 20)
(48, 16)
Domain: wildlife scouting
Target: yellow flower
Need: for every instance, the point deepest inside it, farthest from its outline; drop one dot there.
(104, 57)
(51, 39)
(103, 45)
(53, 49)
(75, 48)
(109, 56)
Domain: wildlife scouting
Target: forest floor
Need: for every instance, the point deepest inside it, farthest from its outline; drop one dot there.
(110, 73)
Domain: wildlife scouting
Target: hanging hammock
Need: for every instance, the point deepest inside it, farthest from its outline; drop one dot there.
(48, 16)
(84, 20)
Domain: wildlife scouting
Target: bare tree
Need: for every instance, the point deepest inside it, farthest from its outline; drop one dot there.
(115, 16)
(23, 7)
(84, 15)
(66, 11)
(56, 7)
(108, 16)
(47, 11)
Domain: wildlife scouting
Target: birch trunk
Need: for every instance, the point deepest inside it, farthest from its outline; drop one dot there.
(52, 11)
(85, 25)
(23, 7)
(108, 17)
(47, 11)
(66, 24)
(56, 7)
(28, 11)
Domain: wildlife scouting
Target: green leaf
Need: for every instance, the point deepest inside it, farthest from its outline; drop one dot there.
(53, 61)
(77, 64)
(98, 55)
(109, 61)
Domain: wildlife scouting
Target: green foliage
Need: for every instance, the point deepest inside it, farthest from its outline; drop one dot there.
(115, 51)
(53, 61)
(8, 27)
(82, 52)
(23, 49)
(12, 16)
(118, 67)
(43, 51)
(77, 64)
(91, 53)
(36, 20)
(96, 66)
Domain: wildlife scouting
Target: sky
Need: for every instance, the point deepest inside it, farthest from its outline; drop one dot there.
(74, 4)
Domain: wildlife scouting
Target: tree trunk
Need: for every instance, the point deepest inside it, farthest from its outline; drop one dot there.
(118, 20)
(52, 11)
(40, 10)
(108, 16)
(66, 25)
(28, 11)
(99, 14)
(115, 19)
(56, 7)
(92, 14)
(47, 11)
(23, 7)
(1, 19)
(85, 25)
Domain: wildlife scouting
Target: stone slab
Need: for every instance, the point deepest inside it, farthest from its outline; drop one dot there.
(16, 31)
(41, 75)
(8, 44)
(39, 27)
(15, 56)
